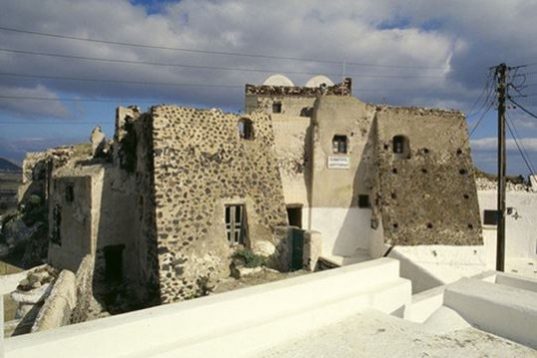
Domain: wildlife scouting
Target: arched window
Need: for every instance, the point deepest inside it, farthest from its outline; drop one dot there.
(246, 129)
(401, 147)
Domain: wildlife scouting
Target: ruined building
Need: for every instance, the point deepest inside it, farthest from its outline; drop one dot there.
(305, 172)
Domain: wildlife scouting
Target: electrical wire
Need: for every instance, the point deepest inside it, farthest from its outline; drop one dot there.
(198, 67)
(225, 53)
(520, 148)
(522, 108)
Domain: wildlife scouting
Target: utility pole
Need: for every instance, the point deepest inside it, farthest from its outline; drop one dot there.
(501, 75)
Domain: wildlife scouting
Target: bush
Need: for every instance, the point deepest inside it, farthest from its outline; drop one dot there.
(249, 258)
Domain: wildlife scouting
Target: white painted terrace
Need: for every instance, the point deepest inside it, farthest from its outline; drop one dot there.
(364, 309)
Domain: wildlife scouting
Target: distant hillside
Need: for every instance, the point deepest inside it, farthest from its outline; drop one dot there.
(7, 166)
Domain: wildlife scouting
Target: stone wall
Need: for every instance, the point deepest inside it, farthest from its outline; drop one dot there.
(427, 196)
(200, 165)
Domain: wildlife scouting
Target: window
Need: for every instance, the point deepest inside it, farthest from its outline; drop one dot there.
(363, 201)
(490, 217)
(69, 193)
(246, 129)
(55, 234)
(339, 144)
(236, 224)
(277, 107)
(401, 147)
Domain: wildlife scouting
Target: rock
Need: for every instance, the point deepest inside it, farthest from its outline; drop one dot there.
(245, 271)
(32, 296)
(4, 250)
(264, 248)
(16, 232)
(98, 142)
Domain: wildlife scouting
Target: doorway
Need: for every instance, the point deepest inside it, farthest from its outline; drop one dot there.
(294, 214)
(113, 263)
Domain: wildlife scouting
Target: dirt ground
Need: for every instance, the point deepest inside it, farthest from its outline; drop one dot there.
(258, 278)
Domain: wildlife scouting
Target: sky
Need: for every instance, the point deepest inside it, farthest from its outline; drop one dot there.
(428, 53)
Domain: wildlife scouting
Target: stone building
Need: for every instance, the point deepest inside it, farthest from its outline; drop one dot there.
(305, 172)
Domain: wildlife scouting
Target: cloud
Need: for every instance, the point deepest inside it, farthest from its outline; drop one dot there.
(29, 107)
(444, 49)
(491, 143)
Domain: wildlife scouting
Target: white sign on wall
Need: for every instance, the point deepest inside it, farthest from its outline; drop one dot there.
(338, 162)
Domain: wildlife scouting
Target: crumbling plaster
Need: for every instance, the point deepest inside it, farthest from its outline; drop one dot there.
(430, 197)
(201, 164)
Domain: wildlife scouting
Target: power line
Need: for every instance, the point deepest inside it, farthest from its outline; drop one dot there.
(225, 53)
(32, 98)
(199, 67)
(522, 108)
(62, 78)
(150, 83)
(487, 91)
(521, 148)
(480, 119)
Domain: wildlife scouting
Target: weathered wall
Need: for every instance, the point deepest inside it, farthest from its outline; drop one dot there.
(300, 106)
(430, 197)
(346, 228)
(77, 224)
(521, 223)
(292, 147)
(201, 164)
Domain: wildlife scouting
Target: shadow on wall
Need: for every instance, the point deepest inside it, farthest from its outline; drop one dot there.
(125, 275)
(356, 234)
(308, 168)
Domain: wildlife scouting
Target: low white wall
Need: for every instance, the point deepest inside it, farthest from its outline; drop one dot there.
(424, 304)
(428, 266)
(234, 323)
(501, 310)
(2, 326)
(346, 232)
(510, 280)
(521, 224)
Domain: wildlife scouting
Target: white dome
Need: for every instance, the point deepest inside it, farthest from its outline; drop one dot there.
(278, 80)
(319, 80)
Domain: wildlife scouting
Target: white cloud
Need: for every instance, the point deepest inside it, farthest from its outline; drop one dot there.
(28, 107)
(491, 143)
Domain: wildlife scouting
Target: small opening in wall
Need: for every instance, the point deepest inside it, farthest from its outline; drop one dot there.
(429, 225)
(394, 170)
(55, 234)
(466, 196)
(363, 201)
(490, 217)
(277, 107)
(395, 225)
(394, 196)
(246, 129)
(424, 170)
(236, 227)
(339, 144)
(470, 226)
(463, 171)
(69, 193)
(386, 146)
(294, 215)
(459, 151)
(426, 150)
(401, 147)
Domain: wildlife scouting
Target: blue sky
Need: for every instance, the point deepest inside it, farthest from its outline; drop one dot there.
(429, 53)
